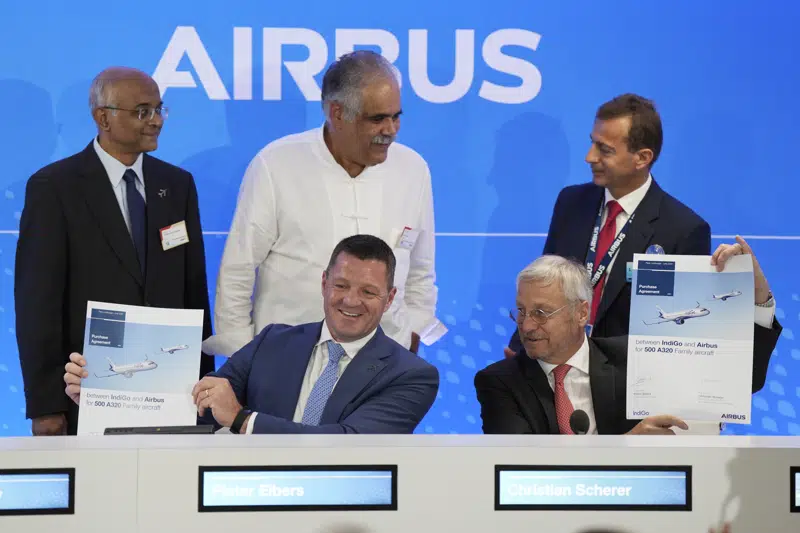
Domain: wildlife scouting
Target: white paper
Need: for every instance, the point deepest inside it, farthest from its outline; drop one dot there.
(143, 363)
(690, 346)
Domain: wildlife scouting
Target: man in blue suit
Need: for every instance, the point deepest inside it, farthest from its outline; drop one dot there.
(341, 375)
(622, 212)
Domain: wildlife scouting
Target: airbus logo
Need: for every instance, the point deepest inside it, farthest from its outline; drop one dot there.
(186, 43)
(731, 416)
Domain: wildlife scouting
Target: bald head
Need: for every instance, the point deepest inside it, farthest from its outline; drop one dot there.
(102, 91)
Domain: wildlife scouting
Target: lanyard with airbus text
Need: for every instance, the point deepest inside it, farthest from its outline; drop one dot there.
(591, 256)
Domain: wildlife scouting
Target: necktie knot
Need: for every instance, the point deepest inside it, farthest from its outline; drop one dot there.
(335, 352)
(560, 372)
(130, 176)
(614, 209)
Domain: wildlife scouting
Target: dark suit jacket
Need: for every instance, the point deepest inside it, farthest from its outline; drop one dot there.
(384, 389)
(660, 219)
(516, 398)
(74, 247)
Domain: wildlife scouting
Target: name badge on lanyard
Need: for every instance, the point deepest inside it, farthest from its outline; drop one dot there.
(591, 256)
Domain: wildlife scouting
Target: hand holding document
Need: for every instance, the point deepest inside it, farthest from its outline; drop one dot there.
(138, 367)
(690, 349)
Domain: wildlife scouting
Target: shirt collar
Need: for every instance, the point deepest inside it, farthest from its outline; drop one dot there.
(631, 201)
(579, 361)
(350, 348)
(114, 168)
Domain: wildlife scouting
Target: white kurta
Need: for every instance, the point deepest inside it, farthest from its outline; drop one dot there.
(295, 204)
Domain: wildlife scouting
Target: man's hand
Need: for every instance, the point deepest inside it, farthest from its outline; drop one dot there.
(49, 425)
(75, 372)
(726, 251)
(658, 425)
(726, 528)
(216, 394)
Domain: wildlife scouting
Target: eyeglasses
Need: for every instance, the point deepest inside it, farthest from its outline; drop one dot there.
(538, 316)
(144, 113)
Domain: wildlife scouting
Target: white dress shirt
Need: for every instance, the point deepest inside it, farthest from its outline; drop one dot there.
(576, 383)
(115, 170)
(295, 204)
(579, 390)
(316, 364)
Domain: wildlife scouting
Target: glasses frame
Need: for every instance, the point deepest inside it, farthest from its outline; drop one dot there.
(162, 111)
(532, 317)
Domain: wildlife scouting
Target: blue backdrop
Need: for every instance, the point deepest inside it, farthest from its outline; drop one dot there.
(502, 139)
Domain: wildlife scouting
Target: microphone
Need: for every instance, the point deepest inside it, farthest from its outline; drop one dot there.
(579, 422)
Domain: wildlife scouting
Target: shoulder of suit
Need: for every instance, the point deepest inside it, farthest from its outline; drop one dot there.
(401, 354)
(63, 169)
(168, 169)
(503, 367)
(578, 193)
(673, 208)
(614, 348)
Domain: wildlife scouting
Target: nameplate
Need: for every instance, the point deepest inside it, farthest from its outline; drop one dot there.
(298, 488)
(593, 488)
(794, 489)
(35, 491)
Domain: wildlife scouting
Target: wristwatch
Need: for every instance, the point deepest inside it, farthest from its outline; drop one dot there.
(769, 303)
(236, 427)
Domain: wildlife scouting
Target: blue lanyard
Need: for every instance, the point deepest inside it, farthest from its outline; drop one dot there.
(591, 255)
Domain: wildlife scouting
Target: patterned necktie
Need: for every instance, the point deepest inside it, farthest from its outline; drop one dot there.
(137, 214)
(604, 241)
(564, 407)
(324, 386)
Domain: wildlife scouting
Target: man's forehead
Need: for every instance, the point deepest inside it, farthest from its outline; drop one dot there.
(137, 91)
(612, 130)
(530, 292)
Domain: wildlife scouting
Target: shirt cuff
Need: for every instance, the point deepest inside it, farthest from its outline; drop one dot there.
(251, 422)
(765, 315)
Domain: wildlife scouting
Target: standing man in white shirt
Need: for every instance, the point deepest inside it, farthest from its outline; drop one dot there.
(304, 193)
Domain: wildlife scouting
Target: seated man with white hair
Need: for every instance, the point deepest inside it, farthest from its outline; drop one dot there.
(560, 370)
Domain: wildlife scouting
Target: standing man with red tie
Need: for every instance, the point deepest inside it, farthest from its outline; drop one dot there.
(621, 213)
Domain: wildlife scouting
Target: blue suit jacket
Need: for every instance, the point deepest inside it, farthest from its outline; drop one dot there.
(660, 219)
(384, 389)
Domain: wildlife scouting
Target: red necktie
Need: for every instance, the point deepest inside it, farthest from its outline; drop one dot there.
(564, 407)
(604, 240)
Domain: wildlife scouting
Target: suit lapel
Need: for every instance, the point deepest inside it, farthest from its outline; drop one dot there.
(537, 380)
(585, 219)
(286, 378)
(367, 364)
(158, 213)
(637, 240)
(103, 205)
(604, 395)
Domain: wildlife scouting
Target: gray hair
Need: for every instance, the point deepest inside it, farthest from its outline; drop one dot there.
(346, 77)
(101, 92)
(570, 274)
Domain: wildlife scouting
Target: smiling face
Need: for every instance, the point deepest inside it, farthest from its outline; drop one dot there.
(356, 293)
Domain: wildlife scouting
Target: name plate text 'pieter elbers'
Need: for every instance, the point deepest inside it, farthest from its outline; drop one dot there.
(298, 488)
(591, 488)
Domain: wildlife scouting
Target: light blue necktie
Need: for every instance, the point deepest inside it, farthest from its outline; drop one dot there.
(324, 386)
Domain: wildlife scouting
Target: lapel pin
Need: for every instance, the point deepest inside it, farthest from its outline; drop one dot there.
(162, 193)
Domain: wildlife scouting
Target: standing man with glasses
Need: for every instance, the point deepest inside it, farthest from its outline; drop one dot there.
(90, 230)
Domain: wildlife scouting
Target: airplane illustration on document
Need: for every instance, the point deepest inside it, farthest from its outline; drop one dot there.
(171, 350)
(679, 317)
(724, 297)
(128, 370)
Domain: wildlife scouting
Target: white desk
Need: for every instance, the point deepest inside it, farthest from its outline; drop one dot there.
(446, 483)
